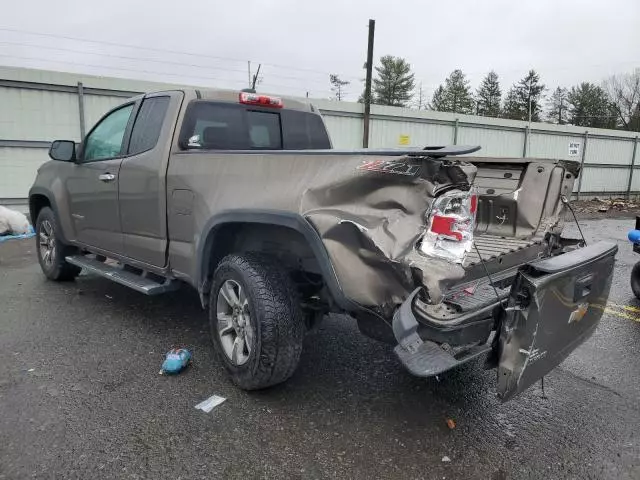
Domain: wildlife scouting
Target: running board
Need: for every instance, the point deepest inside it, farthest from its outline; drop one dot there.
(142, 283)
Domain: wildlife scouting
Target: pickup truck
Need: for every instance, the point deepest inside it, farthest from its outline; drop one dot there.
(241, 196)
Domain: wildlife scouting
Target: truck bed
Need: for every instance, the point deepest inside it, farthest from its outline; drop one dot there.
(492, 247)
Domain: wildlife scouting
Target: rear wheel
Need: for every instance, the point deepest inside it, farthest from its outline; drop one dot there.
(635, 280)
(256, 321)
(51, 250)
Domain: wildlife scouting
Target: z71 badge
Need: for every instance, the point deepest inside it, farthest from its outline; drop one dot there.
(399, 167)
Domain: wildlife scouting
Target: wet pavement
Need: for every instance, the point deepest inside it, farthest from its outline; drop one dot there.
(81, 397)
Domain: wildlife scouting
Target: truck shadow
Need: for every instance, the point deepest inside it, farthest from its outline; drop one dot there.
(339, 365)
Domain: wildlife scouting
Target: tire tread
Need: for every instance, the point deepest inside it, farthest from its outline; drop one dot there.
(277, 314)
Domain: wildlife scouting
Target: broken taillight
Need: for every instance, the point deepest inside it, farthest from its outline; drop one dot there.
(450, 226)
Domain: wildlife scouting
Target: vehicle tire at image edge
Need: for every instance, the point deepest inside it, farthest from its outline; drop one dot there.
(51, 250)
(635, 280)
(256, 321)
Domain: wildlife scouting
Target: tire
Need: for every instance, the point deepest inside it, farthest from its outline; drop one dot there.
(635, 280)
(51, 250)
(267, 319)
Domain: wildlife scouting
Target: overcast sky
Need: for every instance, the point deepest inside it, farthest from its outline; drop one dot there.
(300, 42)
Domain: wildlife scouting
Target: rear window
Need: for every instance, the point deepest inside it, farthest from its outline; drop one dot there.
(225, 126)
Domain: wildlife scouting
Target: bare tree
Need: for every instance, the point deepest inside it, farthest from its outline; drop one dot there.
(420, 101)
(624, 92)
(337, 86)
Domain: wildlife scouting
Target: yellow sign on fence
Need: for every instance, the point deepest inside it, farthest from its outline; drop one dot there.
(403, 140)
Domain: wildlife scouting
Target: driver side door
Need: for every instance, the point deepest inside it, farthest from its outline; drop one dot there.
(93, 184)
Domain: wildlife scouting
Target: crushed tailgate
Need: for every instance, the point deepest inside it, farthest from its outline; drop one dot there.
(554, 305)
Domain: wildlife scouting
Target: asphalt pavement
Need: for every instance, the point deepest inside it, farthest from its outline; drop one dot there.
(81, 397)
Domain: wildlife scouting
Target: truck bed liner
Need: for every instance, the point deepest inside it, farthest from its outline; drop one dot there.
(492, 246)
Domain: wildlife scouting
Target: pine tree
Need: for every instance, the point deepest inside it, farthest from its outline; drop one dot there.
(528, 91)
(558, 106)
(590, 106)
(394, 82)
(455, 96)
(489, 96)
(512, 107)
(438, 101)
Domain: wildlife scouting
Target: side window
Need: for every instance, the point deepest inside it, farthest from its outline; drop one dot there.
(105, 141)
(146, 129)
(219, 126)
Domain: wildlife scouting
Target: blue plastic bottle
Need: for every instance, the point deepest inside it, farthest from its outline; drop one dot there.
(176, 360)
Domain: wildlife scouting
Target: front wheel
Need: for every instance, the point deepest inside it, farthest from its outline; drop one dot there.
(256, 321)
(51, 250)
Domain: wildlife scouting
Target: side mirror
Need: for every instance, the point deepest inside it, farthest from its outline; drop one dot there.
(63, 150)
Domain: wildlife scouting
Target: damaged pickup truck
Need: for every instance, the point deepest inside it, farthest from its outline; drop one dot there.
(240, 195)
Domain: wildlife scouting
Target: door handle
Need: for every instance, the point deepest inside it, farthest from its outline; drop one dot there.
(107, 177)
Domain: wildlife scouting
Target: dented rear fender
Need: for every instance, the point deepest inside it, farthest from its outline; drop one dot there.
(371, 220)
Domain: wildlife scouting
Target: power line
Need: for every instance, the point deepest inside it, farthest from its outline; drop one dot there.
(161, 50)
(168, 62)
(152, 72)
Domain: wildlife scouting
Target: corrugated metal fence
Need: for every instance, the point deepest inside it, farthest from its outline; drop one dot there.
(39, 106)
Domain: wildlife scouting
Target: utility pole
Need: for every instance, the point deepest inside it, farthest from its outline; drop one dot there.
(367, 86)
(529, 136)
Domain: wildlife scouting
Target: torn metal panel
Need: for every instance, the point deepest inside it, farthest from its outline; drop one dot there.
(370, 222)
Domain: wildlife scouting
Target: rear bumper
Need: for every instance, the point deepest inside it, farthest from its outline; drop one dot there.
(420, 344)
(553, 306)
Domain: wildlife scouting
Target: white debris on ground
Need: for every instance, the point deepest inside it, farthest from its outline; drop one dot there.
(210, 403)
(12, 222)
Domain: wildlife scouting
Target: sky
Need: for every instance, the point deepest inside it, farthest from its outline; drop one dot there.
(299, 43)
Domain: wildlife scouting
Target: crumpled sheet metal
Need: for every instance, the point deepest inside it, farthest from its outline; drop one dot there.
(371, 220)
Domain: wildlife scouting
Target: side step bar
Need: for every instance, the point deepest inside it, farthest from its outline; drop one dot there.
(139, 282)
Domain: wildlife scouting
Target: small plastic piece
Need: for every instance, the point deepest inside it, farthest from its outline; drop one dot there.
(175, 361)
(210, 403)
(634, 236)
(451, 423)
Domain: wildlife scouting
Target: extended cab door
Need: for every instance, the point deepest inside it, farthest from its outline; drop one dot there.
(142, 180)
(92, 184)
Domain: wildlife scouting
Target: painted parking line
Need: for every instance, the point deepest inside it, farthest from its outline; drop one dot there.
(621, 311)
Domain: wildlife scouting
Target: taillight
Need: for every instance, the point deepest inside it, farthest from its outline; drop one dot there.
(261, 100)
(450, 226)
